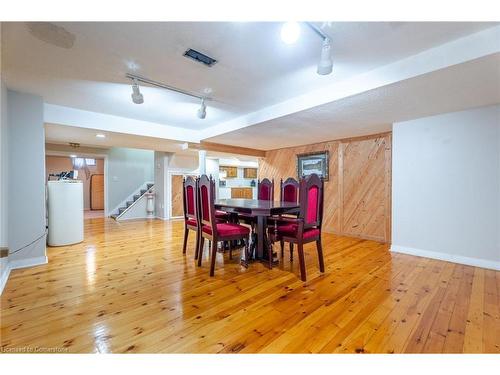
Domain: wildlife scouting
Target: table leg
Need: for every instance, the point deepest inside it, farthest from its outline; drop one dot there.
(261, 236)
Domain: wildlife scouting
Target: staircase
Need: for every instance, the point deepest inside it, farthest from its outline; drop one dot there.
(130, 203)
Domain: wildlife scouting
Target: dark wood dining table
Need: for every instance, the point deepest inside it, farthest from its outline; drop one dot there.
(261, 209)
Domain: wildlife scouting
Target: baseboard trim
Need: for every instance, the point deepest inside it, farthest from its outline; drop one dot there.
(476, 262)
(20, 263)
(30, 262)
(4, 278)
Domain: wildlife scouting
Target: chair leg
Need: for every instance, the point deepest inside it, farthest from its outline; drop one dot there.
(291, 252)
(197, 249)
(244, 261)
(200, 249)
(186, 233)
(302, 262)
(282, 245)
(270, 255)
(212, 257)
(320, 255)
(230, 250)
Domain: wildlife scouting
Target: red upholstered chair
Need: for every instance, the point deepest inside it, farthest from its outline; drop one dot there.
(289, 192)
(307, 226)
(213, 230)
(190, 205)
(265, 189)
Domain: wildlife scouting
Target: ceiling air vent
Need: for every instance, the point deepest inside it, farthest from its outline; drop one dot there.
(200, 57)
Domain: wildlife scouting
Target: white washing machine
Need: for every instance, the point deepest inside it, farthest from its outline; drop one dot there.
(65, 208)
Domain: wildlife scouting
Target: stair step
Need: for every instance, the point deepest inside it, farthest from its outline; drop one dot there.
(137, 196)
(150, 186)
(143, 191)
(120, 210)
(114, 216)
(129, 203)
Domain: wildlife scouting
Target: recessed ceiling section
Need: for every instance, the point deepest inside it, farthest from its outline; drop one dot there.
(472, 84)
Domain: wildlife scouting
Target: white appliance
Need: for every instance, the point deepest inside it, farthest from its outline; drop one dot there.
(65, 208)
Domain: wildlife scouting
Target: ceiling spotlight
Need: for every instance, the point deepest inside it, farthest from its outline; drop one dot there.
(202, 112)
(100, 135)
(290, 32)
(137, 97)
(72, 156)
(325, 64)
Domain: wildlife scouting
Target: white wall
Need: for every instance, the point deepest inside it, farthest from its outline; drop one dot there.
(128, 169)
(3, 173)
(161, 196)
(446, 187)
(26, 178)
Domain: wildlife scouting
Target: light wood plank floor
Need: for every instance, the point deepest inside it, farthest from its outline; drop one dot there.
(128, 288)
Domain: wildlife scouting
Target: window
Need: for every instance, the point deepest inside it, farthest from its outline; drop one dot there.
(78, 163)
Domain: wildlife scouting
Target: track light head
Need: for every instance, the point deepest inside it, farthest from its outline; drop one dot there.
(137, 97)
(202, 112)
(325, 65)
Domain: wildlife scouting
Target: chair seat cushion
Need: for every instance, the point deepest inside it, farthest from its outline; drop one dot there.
(227, 229)
(191, 222)
(290, 230)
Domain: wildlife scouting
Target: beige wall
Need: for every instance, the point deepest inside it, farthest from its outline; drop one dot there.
(57, 164)
(358, 193)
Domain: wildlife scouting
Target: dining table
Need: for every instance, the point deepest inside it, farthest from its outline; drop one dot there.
(262, 210)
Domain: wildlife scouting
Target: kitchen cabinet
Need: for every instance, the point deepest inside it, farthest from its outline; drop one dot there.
(242, 192)
(231, 172)
(250, 172)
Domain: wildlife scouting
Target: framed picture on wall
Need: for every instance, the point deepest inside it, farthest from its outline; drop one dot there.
(316, 162)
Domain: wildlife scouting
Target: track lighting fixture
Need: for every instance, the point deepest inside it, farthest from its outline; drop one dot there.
(202, 112)
(137, 97)
(290, 32)
(325, 64)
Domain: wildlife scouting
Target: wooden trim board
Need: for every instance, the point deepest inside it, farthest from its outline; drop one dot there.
(210, 146)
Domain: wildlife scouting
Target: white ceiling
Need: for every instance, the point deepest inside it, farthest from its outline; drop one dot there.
(255, 69)
(472, 84)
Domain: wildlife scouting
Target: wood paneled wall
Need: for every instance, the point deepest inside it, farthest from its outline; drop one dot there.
(358, 193)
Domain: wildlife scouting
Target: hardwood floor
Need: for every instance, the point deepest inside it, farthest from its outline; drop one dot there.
(128, 288)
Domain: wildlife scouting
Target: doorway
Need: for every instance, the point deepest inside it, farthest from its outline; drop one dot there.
(176, 210)
(97, 192)
(91, 170)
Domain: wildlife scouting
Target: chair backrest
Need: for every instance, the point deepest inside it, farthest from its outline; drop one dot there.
(206, 196)
(265, 189)
(289, 190)
(189, 197)
(311, 200)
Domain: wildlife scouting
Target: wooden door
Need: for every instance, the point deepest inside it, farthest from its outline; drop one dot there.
(177, 204)
(97, 192)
